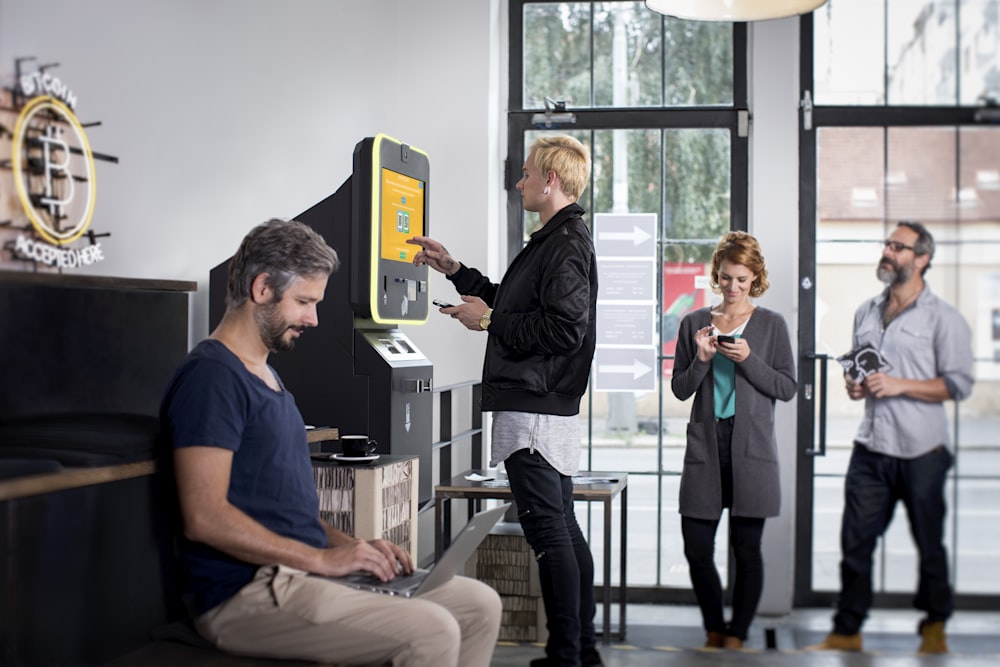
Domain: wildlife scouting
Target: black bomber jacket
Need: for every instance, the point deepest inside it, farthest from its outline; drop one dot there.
(542, 332)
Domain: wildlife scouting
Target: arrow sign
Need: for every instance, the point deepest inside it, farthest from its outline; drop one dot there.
(625, 235)
(637, 369)
(625, 369)
(637, 236)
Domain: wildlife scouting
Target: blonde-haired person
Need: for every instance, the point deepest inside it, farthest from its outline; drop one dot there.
(541, 327)
(567, 157)
(731, 459)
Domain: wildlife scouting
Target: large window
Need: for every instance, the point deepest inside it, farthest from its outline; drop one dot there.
(660, 103)
(906, 52)
(892, 127)
(620, 54)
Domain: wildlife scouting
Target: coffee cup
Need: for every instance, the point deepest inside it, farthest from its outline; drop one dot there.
(356, 446)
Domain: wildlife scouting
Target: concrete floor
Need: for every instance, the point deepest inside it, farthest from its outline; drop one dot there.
(672, 636)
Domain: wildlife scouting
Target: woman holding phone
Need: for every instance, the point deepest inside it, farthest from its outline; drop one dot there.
(736, 359)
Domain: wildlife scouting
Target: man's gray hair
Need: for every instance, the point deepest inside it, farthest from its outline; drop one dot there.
(282, 249)
(925, 241)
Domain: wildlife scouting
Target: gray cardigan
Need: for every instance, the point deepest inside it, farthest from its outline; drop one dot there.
(767, 374)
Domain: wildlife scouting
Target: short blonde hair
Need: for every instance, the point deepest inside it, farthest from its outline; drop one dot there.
(566, 156)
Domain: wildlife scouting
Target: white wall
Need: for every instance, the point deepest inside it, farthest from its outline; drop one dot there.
(224, 113)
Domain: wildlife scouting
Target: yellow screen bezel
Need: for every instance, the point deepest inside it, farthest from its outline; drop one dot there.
(376, 226)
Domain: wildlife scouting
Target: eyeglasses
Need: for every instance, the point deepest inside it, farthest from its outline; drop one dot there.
(897, 246)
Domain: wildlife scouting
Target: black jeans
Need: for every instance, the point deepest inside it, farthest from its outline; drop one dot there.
(744, 539)
(544, 500)
(874, 483)
(699, 549)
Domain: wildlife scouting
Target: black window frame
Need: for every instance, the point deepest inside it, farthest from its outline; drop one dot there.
(730, 117)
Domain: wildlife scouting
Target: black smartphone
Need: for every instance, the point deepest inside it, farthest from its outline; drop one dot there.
(442, 304)
(721, 338)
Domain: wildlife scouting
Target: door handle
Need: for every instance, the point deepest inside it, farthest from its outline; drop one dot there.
(820, 393)
(417, 385)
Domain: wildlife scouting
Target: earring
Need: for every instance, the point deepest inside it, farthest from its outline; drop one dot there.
(545, 190)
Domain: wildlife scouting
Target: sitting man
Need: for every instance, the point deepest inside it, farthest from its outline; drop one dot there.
(252, 536)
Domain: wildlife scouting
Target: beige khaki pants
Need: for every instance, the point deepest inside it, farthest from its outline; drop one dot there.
(285, 613)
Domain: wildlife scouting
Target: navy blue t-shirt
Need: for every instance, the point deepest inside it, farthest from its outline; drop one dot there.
(214, 401)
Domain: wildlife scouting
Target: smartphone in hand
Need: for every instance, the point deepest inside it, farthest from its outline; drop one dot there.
(442, 304)
(721, 338)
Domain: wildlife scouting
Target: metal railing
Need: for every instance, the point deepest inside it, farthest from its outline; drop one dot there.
(449, 442)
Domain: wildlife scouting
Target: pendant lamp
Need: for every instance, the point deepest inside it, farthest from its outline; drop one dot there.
(733, 10)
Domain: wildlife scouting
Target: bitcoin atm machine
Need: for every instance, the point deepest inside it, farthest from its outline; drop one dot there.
(358, 371)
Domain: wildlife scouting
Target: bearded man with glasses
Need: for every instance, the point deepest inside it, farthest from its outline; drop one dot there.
(902, 450)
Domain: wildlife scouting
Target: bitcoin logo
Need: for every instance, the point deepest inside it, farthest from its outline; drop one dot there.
(51, 157)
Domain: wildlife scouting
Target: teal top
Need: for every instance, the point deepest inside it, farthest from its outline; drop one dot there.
(724, 378)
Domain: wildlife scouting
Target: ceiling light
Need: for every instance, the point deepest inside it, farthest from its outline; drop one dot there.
(733, 10)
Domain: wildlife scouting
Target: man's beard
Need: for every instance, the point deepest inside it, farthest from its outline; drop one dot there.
(272, 328)
(894, 273)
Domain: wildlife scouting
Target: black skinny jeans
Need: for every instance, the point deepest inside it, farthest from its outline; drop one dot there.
(544, 500)
(744, 539)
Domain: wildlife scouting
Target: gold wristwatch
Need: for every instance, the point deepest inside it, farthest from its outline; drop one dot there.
(484, 321)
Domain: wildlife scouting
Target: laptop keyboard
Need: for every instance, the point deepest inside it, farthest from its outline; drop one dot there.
(403, 582)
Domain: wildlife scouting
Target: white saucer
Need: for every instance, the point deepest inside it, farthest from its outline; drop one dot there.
(354, 459)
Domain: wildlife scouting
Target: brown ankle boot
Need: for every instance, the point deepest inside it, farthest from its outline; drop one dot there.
(932, 637)
(837, 642)
(732, 643)
(714, 639)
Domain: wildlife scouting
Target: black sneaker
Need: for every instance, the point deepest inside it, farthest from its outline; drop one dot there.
(589, 657)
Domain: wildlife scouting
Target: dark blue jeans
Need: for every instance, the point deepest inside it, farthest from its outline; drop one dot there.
(544, 500)
(873, 486)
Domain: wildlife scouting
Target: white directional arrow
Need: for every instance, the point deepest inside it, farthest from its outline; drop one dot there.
(636, 368)
(637, 236)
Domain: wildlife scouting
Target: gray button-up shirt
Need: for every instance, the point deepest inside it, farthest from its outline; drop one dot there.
(928, 340)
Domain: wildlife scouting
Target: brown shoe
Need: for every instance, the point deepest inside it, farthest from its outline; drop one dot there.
(732, 643)
(714, 639)
(932, 637)
(837, 642)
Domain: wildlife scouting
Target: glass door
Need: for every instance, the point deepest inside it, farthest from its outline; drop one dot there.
(866, 180)
(909, 140)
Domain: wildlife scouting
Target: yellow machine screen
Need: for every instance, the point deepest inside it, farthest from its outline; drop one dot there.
(402, 215)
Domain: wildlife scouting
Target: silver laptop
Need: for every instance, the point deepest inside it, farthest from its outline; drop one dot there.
(421, 581)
